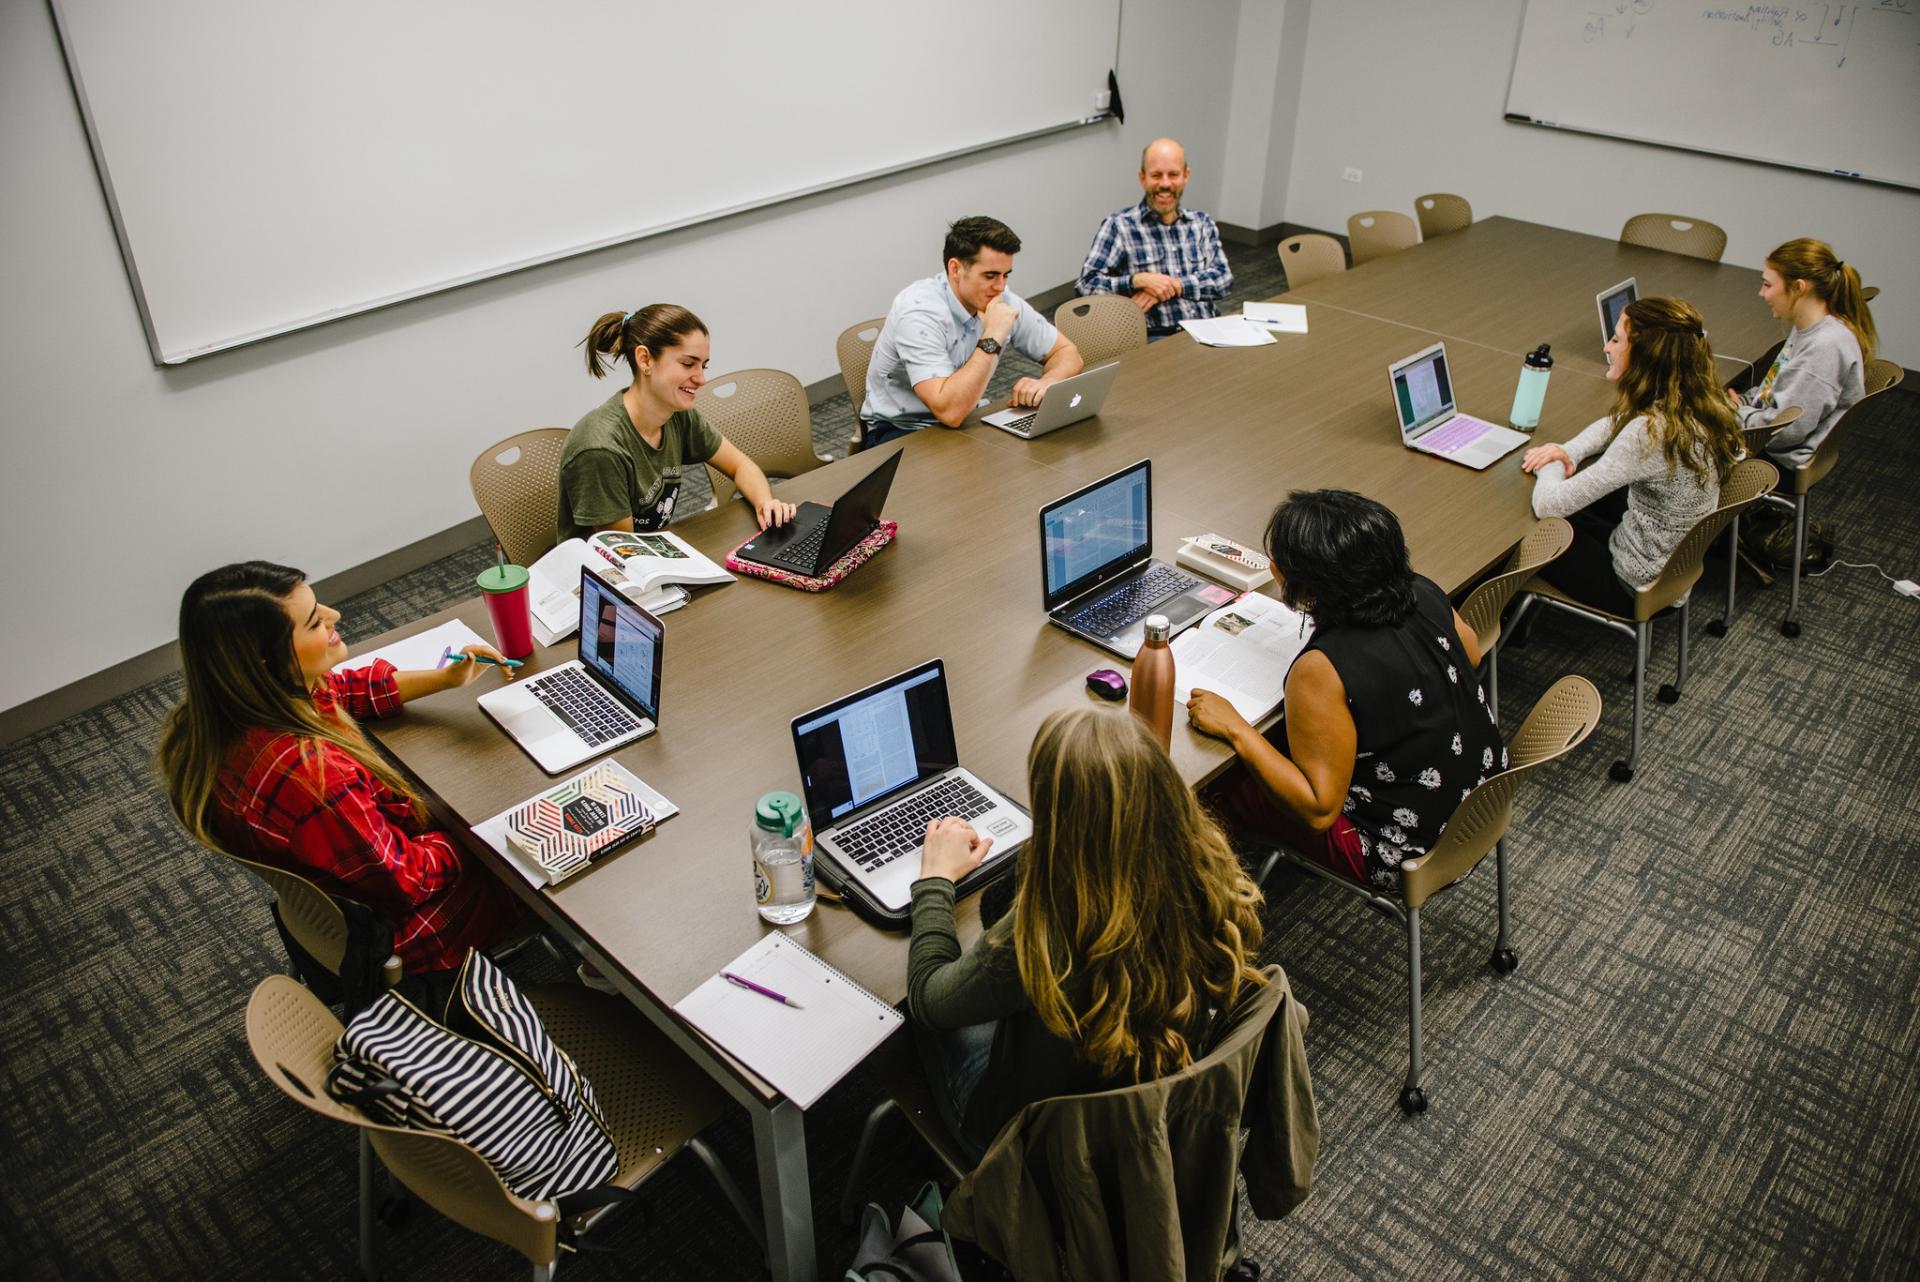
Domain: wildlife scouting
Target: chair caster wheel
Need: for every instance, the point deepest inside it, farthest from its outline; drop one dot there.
(1669, 695)
(395, 1211)
(1620, 772)
(1789, 628)
(1505, 960)
(1717, 627)
(1413, 1100)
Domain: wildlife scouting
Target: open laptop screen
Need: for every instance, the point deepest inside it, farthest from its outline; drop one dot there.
(1614, 302)
(1422, 392)
(621, 642)
(1094, 532)
(871, 744)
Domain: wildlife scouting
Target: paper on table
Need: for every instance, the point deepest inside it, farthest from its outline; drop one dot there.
(1281, 318)
(494, 831)
(1241, 652)
(422, 650)
(801, 1052)
(1226, 331)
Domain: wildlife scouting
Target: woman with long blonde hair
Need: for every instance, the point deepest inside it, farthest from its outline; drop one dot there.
(1132, 931)
(1668, 443)
(1822, 364)
(264, 760)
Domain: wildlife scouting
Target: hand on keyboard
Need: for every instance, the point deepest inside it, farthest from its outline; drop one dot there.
(952, 849)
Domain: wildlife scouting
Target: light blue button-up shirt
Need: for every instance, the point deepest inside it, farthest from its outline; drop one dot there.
(928, 334)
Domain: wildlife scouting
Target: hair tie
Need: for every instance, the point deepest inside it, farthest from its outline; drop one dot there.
(625, 318)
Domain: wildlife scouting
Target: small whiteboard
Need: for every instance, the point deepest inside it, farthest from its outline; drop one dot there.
(1827, 87)
(272, 165)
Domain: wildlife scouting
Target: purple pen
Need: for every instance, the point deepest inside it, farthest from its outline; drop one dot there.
(782, 998)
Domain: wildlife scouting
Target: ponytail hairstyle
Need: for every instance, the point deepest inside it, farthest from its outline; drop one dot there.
(655, 327)
(1831, 281)
(236, 653)
(1132, 917)
(1669, 377)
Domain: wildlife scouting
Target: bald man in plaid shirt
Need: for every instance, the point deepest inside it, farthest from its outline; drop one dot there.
(1167, 259)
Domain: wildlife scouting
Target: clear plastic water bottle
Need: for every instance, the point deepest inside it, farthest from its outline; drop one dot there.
(782, 859)
(1531, 392)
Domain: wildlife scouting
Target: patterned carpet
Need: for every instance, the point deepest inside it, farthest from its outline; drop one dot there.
(1704, 1066)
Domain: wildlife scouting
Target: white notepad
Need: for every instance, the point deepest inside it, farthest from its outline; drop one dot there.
(801, 1052)
(1281, 318)
(421, 650)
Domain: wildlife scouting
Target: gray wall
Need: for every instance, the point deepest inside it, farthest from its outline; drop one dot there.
(328, 448)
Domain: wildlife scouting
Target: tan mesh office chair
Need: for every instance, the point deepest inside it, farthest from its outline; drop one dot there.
(1102, 326)
(1379, 232)
(764, 412)
(1546, 541)
(1869, 292)
(854, 350)
(1755, 447)
(1677, 234)
(516, 482)
(1796, 485)
(904, 1088)
(1564, 716)
(311, 917)
(656, 1102)
(1440, 213)
(1307, 258)
(1749, 480)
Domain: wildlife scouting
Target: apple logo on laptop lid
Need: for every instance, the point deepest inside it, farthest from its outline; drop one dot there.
(1075, 402)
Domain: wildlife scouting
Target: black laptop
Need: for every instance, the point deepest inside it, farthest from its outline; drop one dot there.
(819, 535)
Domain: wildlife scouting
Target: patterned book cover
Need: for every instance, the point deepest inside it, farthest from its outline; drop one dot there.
(569, 826)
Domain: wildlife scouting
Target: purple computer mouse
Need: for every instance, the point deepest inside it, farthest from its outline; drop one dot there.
(1107, 683)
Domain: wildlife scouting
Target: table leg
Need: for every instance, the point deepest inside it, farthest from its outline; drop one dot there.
(780, 1148)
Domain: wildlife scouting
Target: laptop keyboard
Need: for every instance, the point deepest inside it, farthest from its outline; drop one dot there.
(579, 701)
(1461, 431)
(1125, 604)
(1023, 424)
(898, 830)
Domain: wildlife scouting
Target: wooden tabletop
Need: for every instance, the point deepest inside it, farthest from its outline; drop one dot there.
(1513, 285)
(1229, 431)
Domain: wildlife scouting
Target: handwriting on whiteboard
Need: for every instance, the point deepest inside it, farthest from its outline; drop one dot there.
(1817, 28)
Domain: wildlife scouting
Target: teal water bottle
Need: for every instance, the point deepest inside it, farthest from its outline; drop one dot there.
(1531, 393)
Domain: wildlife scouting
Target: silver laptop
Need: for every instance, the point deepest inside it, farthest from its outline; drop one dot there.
(608, 696)
(1612, 302)
(1098, 574)
(1423, 400)
(877, 765)
(1066, 403)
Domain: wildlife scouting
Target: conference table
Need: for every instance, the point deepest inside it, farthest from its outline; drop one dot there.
(1229, 432)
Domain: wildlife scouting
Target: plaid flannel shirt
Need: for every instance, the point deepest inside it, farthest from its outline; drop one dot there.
(1188, 249)
(305, 806)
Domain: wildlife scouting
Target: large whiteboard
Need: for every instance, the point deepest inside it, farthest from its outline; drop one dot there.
(273, 164)
(1829, 87)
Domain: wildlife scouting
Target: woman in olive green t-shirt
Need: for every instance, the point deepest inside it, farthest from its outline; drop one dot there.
(622, 464)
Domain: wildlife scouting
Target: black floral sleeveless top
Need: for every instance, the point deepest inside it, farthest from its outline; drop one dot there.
(1426, 734)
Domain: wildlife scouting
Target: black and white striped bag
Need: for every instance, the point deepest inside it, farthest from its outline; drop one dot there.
(488, 1075)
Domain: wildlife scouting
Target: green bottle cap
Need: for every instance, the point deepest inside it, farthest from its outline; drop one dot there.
(502, 578)
(778, 812)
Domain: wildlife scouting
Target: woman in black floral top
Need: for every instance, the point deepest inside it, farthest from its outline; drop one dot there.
(1386, 726)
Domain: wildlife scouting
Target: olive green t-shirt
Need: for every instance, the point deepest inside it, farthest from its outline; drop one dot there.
(607, 472)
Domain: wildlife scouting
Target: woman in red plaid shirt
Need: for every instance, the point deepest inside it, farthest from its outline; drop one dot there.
(264, 760)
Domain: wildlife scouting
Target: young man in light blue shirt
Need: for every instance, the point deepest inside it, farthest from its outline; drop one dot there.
(943, 337)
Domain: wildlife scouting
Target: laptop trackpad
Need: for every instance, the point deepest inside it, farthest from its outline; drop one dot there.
(531, 724)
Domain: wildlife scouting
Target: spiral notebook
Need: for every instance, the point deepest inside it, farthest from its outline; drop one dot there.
(800, 1052)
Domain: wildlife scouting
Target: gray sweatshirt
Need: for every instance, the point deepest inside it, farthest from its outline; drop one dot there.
(1661, 505)
(1820, 370)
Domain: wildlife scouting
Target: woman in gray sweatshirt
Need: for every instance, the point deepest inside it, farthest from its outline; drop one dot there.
(1822, 364)
(1670, 439)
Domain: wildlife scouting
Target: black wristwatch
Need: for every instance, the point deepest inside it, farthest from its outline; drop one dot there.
(991, 346)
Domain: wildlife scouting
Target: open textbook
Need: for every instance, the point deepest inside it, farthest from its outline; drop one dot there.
(648, 569)
(1241, 652)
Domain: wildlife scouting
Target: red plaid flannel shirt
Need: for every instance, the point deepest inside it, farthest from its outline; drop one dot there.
(310, 808)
